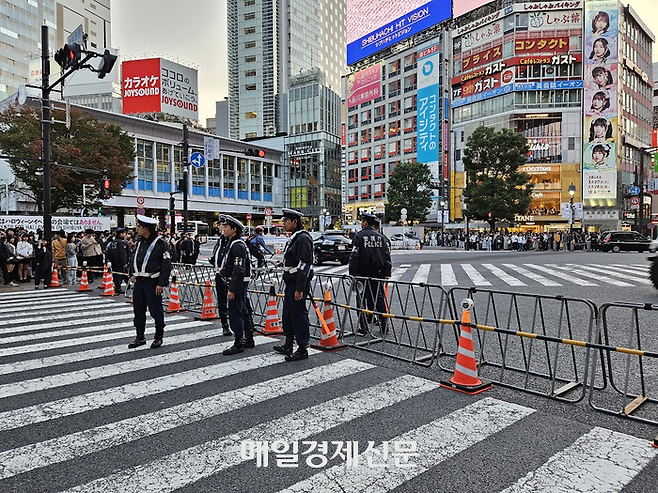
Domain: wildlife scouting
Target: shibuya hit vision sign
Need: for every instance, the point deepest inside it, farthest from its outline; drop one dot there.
(156, 85)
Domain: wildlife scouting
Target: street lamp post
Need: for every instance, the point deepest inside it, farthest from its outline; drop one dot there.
(572, 192)
(443, 215)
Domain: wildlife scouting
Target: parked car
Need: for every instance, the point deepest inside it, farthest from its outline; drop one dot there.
(653, 247)
(406, 241)
(331, 245)
(627, 241)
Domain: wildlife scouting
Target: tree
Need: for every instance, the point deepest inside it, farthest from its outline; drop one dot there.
(496, 187)
(88, 145)
(409, 187)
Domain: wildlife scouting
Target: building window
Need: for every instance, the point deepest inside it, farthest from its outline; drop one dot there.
(248, 3)
(250, 73)
(351, 157)
(250, 59)
(365, 173)
(250, 87)
(250, 115)
(250, 44)
(250, 30)
(393, 148)
(379, 132)
(352, 173)
(409, 145)
(250, 16)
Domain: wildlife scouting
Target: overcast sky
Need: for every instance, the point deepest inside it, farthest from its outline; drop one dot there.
(193, 32)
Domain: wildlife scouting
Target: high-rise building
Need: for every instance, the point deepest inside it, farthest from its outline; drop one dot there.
(20, 34)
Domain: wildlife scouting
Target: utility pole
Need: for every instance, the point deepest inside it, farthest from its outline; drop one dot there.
(186, 170)
(45, 129)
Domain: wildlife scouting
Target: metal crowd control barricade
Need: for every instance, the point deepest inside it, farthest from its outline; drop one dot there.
(628, 330)
(538, 343)
(411, 314)
(191, 284)
(259, 292)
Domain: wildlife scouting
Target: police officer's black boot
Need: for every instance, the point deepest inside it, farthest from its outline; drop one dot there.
(235, 349)
(298, 355)
(226, 330)
(286, 348)
(248, 340)
(139, 341)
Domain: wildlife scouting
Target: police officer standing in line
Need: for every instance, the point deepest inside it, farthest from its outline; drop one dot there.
(370, 258)
(117, 253)
(149, 271)
(235, 270)
(297, 261)
(216, 259)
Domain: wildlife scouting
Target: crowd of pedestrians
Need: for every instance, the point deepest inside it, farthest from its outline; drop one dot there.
(516, 241)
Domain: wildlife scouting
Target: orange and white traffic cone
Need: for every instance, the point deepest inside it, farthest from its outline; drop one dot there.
(104, 278)
(278, 250)
(84, 281)
(465, 378)
(174, 301)
(54, 279)
(108, 282)
(208, 310)
(328, 338)
(272, 326)
(655, 442)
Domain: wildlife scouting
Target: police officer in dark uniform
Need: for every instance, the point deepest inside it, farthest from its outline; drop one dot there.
(216, 259)
(297, 261)
(371, 259)
(149, 271)
(117, 253)
(235, 271)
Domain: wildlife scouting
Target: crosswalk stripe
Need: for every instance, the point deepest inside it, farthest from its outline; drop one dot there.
(612, 272)
(71, 301)
(601, 460)
(561, 275)
(591, 275)
(90, 354)
(398, 273)
(85, 311)
(633, 268)
(190, 465)
(422, 274)
(58, 308)
(532, 275)
(4, 302)
(102, 398)
(33, 348)
(448, 277)
(504, 276)
(475, 277)
(19, 294)
(436, 441)
(85, 442)
(81, 318)
(335, 270)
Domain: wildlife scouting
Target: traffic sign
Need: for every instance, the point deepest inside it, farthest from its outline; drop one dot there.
(140, 211)
(268, 212)
(140, 200)
(248, 217)
(635, 200)
(197, 160)
(635, 190)
(651, 225)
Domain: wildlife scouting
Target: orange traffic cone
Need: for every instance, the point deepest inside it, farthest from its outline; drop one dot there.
(465, 378)
(54, 279)
(278, 250)
(108, 282)
(655, 442)
(174, 301)
(328, 339)
(104, 278)
(84, 281)
(208, 311)
(418, 246)
(272, 326)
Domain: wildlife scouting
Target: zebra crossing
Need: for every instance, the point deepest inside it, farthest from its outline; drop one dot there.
(79, 412)
(506, 274)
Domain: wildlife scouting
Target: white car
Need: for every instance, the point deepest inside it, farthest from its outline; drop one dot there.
(653, 246)
(401, 241)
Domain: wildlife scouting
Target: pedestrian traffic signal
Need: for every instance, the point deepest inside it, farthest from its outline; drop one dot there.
(172, 204)
(99, 210)
(105, 188)
(182, 185)
(254, 152)
(68, 56)
(490, 215)
(107, 63)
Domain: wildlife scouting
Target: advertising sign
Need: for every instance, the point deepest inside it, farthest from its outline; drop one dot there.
(364, 85)
(70, 224)
(157, 85)
(600, 130)
(429, 111)
(373, 25)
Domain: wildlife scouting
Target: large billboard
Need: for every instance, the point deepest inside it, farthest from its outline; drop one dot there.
(373, 25)
(364, 85)
(600, 101)
(156, 85)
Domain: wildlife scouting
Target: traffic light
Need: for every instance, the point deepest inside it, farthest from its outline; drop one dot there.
(172, 204)
(105, 188)
(107, 63)
(182, 185)
(251, 152)
(99, 210)
(489, 216)
(69, 55)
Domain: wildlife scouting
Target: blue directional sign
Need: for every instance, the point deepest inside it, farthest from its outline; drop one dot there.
(635, 190)
(197, 160)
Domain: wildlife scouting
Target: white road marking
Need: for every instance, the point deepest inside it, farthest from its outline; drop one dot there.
(80, 310)
(71, 301)
(475, 277)
(422, 274)
(561, 275)
(436, 441)
(602, 460)
(399, 272)
(188, 466)
(634, 268)
(26, 458)
(82, 318)
(532, 275)
(336, 270)
(591, 275)
(448, 277)
(611, 271)
(504, 276)
(77, 404)
(28, 294)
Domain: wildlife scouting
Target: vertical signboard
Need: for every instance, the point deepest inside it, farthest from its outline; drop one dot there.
(600, 100)
(429, 111)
